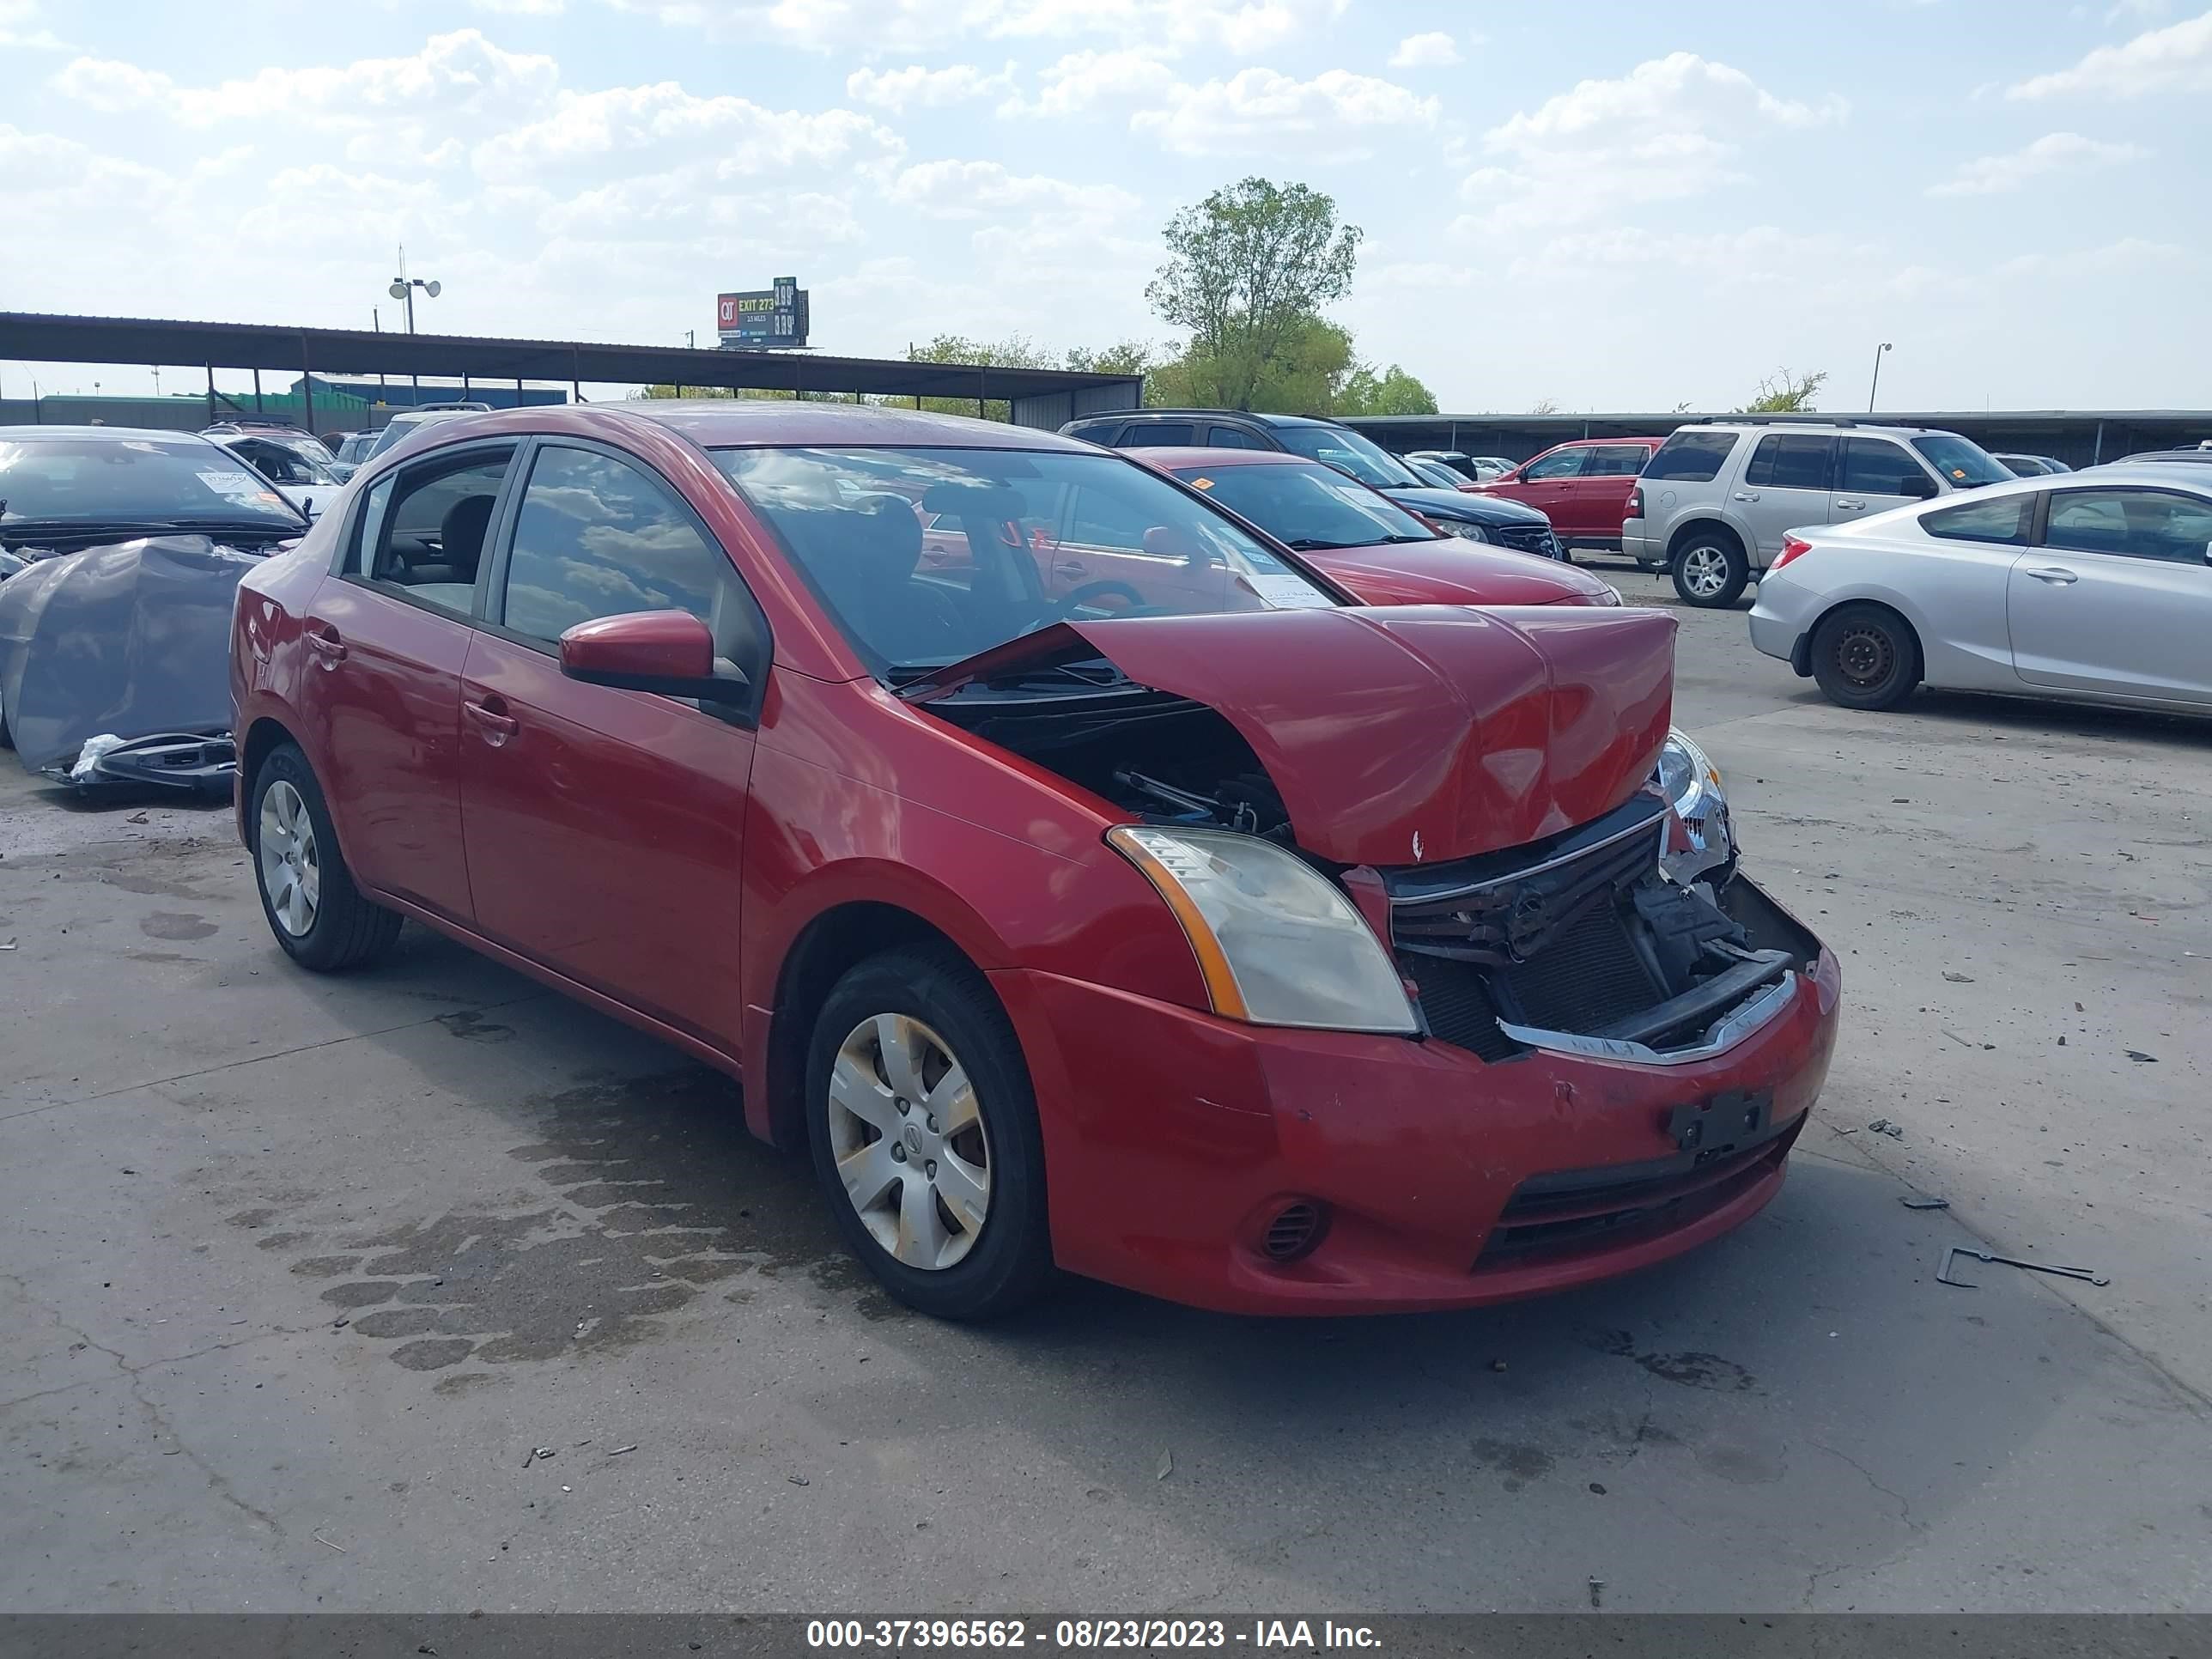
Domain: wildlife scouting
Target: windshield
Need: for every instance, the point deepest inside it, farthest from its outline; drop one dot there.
(357, 447)
(1364, 458)
(1964, 466)
(925, 556)
(96, 481)
(1308, 508)
(283, 462)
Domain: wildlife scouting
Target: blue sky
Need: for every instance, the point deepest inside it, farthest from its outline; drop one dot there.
(1607, 206)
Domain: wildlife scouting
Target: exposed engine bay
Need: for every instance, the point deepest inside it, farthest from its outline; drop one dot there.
(1583, 941)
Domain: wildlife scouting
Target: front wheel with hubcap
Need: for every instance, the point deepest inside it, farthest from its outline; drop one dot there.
(1865, 656)
(314, 909)
(1710, 571)
(924, 1133)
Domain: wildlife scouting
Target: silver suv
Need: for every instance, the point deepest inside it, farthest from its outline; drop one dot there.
(1716, 498)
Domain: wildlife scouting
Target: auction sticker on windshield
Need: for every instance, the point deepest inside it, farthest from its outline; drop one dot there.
(1288, 593)
(238, 487)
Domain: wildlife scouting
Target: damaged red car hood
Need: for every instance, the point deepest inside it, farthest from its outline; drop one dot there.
(1403, 734)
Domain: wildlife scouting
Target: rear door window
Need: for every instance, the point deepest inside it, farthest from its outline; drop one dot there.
(1233, 437)
(1692, 457)
(2003, 521)
(1614, 461)
(421, 531)
(1789, 461)
(1160, 434)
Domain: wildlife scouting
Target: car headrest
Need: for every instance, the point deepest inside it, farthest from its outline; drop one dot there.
(885, 538)
(461, 532)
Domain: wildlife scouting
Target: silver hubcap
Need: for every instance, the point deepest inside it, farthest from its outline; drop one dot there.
(1704, 571)
(291, 866)
(909, 1138)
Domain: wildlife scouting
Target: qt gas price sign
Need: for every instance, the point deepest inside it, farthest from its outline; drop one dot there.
(763, 317)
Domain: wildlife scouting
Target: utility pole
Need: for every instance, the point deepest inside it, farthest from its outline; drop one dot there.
(1876, 382)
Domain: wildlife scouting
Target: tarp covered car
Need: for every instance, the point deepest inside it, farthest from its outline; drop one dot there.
(131, 640)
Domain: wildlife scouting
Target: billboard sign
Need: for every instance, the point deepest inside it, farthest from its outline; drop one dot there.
(763, 318)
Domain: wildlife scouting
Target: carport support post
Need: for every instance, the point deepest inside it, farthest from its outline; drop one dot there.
(2099, 457)
(211, 369)
(306, 386)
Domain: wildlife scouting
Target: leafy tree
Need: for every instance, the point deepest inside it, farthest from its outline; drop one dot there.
(1783, 393)
(1545, 406)
(1248, 271)
(1123, 357)
(1392, 393)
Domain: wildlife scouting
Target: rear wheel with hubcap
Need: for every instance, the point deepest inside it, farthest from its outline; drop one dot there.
(925, 1137)
(314, 909)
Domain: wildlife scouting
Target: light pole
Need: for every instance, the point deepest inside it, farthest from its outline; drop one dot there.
(1878, 350)
(402, 288)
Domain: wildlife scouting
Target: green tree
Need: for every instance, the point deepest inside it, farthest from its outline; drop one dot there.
(1015, 351)
(1248, 271)
(1123, 357)
(1784, 393)
(1392, 393)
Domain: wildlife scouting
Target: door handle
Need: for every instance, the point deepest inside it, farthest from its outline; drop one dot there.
(494, 722)
(326, 643)
(2056, 576)
(1746, 495)
(1069, 567)
(1843, 500)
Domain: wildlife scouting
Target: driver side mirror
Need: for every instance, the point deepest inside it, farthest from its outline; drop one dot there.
(1918, 486)
(669, 652)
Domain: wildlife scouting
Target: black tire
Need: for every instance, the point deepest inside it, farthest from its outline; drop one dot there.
(345, 930)
(1702, 552)
(1010, 1258)
(1865, 656)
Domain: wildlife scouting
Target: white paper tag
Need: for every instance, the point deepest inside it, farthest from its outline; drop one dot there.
(239, 486)
(1289, 593)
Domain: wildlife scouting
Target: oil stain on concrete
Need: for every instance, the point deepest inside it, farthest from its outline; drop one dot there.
(653, 1193)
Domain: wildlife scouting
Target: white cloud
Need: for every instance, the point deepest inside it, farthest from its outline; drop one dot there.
(1435, 50)
(2176, 59)
(460, 75)
(895, 90)
(973, 189)
(623, 126)
(1083, 81)
(1257, 110)
(2053, 152)
(1241, 27)
(16, 19)
(1669, 129)
(523, 7)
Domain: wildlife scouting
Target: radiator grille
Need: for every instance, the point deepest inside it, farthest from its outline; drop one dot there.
(1588, 975)
(1457, 1005)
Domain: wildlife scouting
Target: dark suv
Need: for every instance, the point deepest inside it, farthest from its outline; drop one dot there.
(1477, 518)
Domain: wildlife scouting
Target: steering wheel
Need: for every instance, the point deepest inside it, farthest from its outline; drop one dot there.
(1090, 592)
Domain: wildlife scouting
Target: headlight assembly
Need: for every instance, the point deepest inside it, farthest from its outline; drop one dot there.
(1464, 530)
(1686, 777)
(1276, 943)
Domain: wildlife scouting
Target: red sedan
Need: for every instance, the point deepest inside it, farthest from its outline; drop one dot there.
(1183, 927)
(1361, 539)
(1582, 487)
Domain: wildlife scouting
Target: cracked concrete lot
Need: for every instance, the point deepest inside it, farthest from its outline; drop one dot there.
(301, 1280)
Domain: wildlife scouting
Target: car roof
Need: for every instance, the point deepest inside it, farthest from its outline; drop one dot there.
(1256, 418)
(727, 422)
(2190, 475)
(1814, 423)
(1170, 457)
(135, 433)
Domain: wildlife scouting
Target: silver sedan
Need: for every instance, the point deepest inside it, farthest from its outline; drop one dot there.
(2094, 586)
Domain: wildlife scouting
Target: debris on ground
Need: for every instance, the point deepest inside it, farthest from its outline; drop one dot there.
(619, 1451)
(1882, 1126)
(1597, 1591)
(1958, 979)
(2140, 1057)
(1913, 1201)
(326, 1543)
(537, 1454)
(1951, 1255)
(798, 1480)
(1167, 1466)
(1955, 1037)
